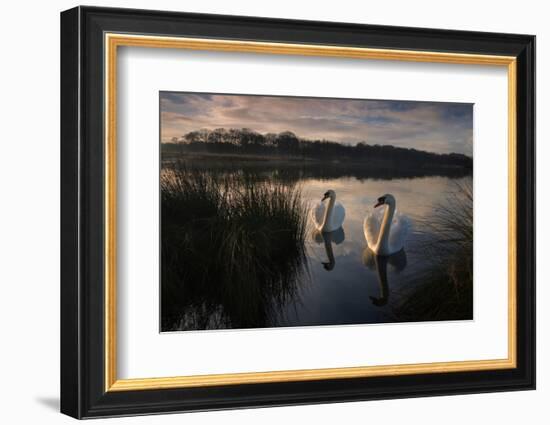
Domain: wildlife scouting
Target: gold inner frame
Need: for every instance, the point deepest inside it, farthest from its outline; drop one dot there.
(113, 41)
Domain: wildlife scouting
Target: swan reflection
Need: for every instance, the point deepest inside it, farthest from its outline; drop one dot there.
(328, 238)
(397, 262)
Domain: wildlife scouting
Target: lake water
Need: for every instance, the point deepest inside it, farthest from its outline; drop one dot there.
(342, 281)
(355, 289)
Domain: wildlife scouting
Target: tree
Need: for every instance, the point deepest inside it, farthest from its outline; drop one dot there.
(249, 141)
(287, 142)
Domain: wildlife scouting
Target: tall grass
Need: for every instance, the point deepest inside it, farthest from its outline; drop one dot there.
(232, 248)
(446, 292)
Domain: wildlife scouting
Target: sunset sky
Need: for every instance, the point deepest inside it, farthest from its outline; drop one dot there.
(432, 126)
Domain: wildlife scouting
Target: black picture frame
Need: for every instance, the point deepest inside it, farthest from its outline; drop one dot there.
(83, 392)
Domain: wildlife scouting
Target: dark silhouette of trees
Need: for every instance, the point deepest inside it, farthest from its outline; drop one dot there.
(247, 141)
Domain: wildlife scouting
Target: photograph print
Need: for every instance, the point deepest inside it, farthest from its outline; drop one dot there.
(281, 211)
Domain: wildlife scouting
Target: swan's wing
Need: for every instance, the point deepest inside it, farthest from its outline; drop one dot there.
(371, 227)
(317, 213)
(400, 228)
(338, 215)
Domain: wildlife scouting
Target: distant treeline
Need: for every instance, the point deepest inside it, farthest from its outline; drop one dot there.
(231, 141)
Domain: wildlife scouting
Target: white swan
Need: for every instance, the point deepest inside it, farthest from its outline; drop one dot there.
(331, 218)
(386, 235)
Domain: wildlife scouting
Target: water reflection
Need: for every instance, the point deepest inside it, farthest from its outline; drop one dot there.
(272, 276)
(379, 263)
(327, 239)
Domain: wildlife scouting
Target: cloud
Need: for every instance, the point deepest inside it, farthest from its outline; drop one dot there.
(433, 126)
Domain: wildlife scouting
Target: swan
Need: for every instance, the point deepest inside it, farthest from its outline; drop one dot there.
(331, 218)
(386, 235)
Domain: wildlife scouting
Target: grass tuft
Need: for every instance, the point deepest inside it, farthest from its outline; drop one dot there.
(244, 239)
(446, 293)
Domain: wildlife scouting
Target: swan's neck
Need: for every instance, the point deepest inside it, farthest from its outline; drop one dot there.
(384, 236)
(328, 214)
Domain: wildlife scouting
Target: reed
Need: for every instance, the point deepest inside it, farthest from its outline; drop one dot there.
(232, 248)
(446, 292)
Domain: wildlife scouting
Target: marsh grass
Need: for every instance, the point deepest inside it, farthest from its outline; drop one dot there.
(446, 292)
(232, 248)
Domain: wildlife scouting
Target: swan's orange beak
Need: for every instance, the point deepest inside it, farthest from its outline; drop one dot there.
(380, 202)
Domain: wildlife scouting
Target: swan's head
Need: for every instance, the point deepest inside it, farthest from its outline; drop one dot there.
(329, 194)
(386, 199)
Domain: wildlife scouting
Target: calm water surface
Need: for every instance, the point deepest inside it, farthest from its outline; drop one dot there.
(342, 282)
(354, 287)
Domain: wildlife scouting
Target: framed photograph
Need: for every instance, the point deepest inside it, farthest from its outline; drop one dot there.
(261, 212)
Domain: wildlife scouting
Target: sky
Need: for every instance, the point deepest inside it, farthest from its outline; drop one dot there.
(432, 126)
